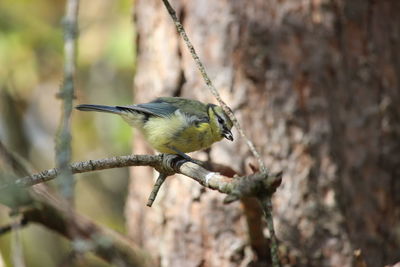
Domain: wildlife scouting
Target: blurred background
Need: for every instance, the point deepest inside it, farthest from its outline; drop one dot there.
(315, 85)
(31, 73)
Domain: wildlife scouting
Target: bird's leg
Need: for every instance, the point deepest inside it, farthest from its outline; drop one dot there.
(183, 155)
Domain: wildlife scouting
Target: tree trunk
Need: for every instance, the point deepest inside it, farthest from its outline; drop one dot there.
(315, 86)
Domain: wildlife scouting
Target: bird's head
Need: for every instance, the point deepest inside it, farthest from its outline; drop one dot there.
(220, 122)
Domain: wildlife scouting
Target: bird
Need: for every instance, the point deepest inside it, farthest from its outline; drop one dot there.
(174, 125)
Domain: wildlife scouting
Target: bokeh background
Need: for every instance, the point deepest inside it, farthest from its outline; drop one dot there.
(31, 73)
(315, 85)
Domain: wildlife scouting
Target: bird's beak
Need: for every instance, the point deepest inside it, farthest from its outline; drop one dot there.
(227, 134)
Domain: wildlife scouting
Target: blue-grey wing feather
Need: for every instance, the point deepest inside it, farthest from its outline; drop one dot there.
(194, 111)
(154, 109)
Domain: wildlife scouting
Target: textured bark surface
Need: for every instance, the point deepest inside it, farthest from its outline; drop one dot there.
(315, 85)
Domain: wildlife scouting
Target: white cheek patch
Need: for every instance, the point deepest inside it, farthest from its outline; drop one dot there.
(183, 118)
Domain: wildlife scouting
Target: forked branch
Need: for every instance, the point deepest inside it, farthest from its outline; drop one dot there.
(258, 184)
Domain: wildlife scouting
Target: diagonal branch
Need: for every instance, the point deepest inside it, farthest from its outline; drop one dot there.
(56, 214)
(264, 202)
(41, 205)
(209, 84)
(160, 180)
(13, 225)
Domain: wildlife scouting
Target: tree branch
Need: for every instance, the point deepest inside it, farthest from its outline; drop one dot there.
(257, 184)
(260, 184)
(63, 139)
(57, 215)
(160, 180)
(40, 205)
(12, 226)
(266, 205)
(92, 165)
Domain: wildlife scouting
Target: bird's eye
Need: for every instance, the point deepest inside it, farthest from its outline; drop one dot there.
(220, 120)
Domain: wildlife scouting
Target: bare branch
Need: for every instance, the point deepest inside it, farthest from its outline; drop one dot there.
(160, 180)
(209, 84)
(91, 165)
(63, 139)
(255, 229)
(48, 209)
(57, 215)
(257, 184)
(266, 205)
(13, 226)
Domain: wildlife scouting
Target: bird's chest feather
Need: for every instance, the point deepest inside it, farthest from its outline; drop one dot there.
(176, 132)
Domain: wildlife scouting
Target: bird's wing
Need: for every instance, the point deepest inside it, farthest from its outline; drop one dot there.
(194, 111)
(152, 109)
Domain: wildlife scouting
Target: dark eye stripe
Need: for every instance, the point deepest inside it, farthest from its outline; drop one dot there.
(220, 120)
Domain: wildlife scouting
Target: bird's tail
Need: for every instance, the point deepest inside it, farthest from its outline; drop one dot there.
(100, 108)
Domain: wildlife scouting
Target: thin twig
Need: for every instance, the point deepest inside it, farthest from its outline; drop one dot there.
(266, 204)
(210, 85)
(160, 180)
(13, 226)
(63, 139)
(16, 247)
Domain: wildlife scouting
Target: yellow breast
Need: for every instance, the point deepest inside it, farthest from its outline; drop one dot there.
(163, 134)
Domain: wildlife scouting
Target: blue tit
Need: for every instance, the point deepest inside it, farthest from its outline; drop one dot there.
(174, 125)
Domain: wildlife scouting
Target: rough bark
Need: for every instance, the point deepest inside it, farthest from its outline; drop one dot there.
(315, 85)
